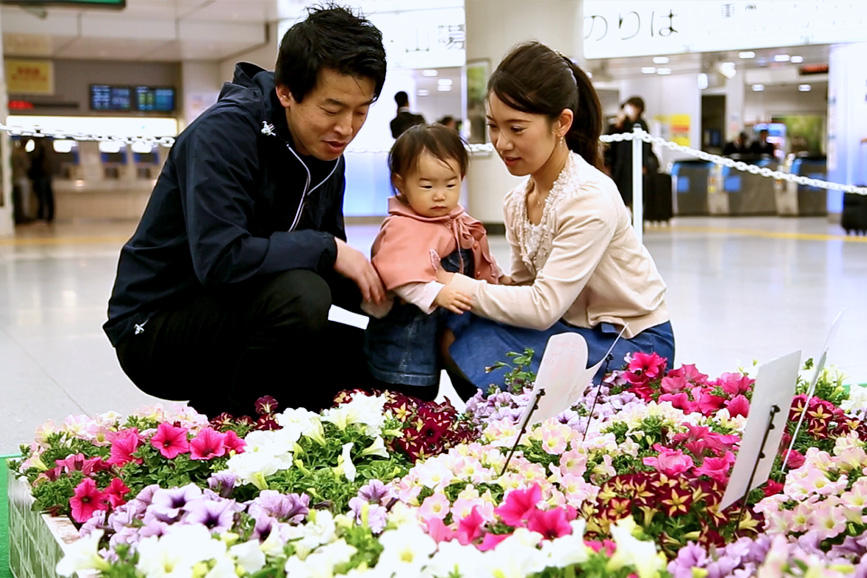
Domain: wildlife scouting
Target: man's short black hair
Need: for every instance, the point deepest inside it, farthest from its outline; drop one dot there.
(330, 37)
(401, 98)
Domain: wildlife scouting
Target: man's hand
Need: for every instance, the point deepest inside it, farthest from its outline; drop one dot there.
(453, 300)
(352, 263)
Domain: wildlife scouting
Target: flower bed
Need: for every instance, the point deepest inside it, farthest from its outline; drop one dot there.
(626, 482)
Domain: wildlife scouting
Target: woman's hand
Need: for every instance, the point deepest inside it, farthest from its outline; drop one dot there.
(453, 300)
(505, 280)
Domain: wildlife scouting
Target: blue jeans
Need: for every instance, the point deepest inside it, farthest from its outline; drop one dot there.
(481, 342)
(401, 347)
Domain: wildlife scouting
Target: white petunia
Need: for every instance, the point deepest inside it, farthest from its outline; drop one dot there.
(248, 555)
(366, 410)
(516, 556)
(377, 448)
(452, 558)
(634, 552)
(344, 465)
(82, 555)
(177, 551)
(320, 529)
(407, 550)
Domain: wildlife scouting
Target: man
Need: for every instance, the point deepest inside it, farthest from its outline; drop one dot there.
(404, 118)
(762, 146)
(737, 146)
(222, 294)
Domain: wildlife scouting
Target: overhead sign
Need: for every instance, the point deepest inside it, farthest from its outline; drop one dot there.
(29, 76)
(622, 28)
(73, 3)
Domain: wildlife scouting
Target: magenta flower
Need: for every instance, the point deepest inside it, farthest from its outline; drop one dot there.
(124, 444)
(735, 383)
(233, 443)
(669, 462)
(490, 541)
(551, 523)
(717, 468)
(115, 492)
(739, 405)
(208, 444)
(648, 365)
(519, 505)
(470, 527)
(170, 440)
(86, 501)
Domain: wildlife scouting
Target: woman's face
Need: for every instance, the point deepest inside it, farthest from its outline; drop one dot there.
(523, 140)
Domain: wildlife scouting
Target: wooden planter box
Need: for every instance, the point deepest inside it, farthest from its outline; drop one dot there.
(36, 541)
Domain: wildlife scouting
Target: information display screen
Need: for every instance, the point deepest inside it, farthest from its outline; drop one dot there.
(155, 98)
(110, 98)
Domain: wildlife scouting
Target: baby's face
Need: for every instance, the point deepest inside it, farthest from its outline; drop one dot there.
(433, 189)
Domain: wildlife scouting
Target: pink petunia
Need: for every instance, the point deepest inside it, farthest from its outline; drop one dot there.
(678, 400)
(708, 404)
(490, 541)
(650, 365)
(115, 492)
(233, 443)
(170, 440)
(670, 462)
(735, 383)
(86, 500)
(519, 505)
(717, 468)
(438, 530)
(470, 527)
(208, 444)
(739, 405)
(551, 523)
(124, 444)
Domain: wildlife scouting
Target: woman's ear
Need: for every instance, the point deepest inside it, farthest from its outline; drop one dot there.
(564, 122)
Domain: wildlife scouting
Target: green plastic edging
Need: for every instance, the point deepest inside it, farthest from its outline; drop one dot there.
(5, 572)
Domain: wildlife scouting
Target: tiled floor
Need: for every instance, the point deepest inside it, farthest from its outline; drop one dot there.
(739, 290)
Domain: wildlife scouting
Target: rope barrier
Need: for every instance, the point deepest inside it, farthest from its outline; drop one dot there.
(168, 141)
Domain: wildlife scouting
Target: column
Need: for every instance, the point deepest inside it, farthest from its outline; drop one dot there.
(6, 216)
(847, 120)
(493, 27)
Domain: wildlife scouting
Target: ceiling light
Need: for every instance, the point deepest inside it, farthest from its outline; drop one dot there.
(660, 59)
(444, 88)
(746, 54)
(422, 92)
(142, 147)
(727, 69)
(758, 87)
(702, 81)
(781, 57)
(429, 72)
(805, 87)
(444, 82)
(797, 59)
(663, 71)
(648, 70)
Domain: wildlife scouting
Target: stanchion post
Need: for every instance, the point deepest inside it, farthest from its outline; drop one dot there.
(637, 181)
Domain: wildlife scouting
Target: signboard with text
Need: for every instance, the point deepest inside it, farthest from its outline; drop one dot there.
(622, 28)
(29, 76)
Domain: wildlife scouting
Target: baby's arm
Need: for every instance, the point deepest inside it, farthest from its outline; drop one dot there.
(427, 296)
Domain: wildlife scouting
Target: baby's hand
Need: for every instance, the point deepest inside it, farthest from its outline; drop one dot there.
(453, 300)
(506, 280)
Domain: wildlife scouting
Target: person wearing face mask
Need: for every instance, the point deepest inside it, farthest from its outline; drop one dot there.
(619, 154)
(223, 292)
(576, 263)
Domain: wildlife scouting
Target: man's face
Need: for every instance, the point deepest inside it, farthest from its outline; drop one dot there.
(331, 114)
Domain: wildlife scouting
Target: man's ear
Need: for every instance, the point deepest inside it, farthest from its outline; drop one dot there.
(284, 95)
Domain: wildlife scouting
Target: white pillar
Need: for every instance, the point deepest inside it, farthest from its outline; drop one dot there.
(7, 225)
(493, 27)
(847, 120)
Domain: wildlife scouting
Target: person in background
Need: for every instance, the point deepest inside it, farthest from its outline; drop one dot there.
(576, 263)
(426, 229)
(223, 292)
(450, 122)
(762, 146)
(404, 117)
(20, 161)
(41, 174)
(619, 156)
(738, 146)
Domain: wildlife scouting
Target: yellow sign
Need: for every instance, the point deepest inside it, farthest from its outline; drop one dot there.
(29, 76)
(674, 127)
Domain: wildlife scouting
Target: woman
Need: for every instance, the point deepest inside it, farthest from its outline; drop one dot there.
(576, 263)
